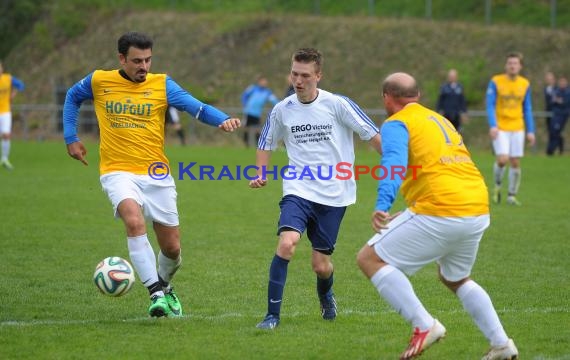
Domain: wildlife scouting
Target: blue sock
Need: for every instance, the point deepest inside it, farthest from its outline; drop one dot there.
(324, 285)
(277, 277)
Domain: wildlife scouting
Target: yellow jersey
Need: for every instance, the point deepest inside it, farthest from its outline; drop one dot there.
(131, 121)
(442, 179)
(7, 84)
(509, 103)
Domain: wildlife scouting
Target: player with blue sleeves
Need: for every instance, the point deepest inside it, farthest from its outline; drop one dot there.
(446, 216)
(130, 105)
(9, 87)
(509, 112)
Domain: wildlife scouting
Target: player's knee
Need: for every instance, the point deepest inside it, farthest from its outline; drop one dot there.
(169, 242)
(171, 251)
(134, 225)
(288, 242)
(322, 268)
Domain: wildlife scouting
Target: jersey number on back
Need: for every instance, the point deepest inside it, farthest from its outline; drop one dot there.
(450, 127)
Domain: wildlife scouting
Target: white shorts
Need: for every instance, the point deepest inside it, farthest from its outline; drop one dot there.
(6, 123)
(156, 197)
(413, 241)
(509, 143)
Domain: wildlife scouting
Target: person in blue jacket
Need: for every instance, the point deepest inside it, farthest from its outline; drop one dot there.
(560, 113)
(253, 100)
(451, 101)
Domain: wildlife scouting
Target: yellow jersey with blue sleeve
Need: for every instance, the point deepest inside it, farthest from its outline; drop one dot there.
(131, 117)
(131, 121)
(441, 179)
(509, 103)
(7, 84)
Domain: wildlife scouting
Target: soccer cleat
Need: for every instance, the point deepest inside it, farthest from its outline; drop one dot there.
(173, 303)
(507, 352)
(511, 200)
(421, 340)
(158, 306)
(270, 322)
(497, 195)
(6, 163)
(328, 306)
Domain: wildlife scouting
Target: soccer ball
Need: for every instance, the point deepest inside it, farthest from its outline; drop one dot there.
(114, 276)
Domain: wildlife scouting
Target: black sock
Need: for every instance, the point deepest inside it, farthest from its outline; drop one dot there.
(152, 288)
(324, 285)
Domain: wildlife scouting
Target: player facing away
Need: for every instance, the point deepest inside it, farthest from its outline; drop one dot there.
(509, 111)
(447, 214)
(130, 106)
(9, 87)
(317, 129)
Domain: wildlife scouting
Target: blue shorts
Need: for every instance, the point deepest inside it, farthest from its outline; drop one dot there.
(322, 222)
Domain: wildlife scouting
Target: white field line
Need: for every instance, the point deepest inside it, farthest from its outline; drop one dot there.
(214, 317)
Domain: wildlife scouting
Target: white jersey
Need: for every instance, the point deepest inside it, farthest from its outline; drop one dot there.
(318, 137)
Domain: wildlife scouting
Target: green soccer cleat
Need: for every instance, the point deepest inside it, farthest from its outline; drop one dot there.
(173, 303)
(497, 195)
(158, 306)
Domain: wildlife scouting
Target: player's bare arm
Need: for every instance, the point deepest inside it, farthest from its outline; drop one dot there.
(230, 125)
(493, 132)
(77, 151)
(376, 143)
(261, 161)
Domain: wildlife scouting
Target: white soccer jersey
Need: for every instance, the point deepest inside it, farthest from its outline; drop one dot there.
(318, 136)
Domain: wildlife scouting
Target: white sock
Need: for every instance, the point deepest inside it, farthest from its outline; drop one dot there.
(397, 290)
(143, 259)
(499, 172)
(5, 149)
(478, 304)
(167, 267)
(514, 180)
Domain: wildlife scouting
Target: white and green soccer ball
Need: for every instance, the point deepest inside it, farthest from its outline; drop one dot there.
(114, 276)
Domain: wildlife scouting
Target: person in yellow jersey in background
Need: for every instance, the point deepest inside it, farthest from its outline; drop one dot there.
(130, 105)
(509, 112)
(447, 214)
(9, 87)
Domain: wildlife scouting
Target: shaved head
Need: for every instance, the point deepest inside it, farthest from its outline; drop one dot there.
(398, 90)
(400, 85)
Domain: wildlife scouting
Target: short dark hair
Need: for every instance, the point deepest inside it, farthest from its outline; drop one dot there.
(308, 55)
(517, 55)
(135, 39)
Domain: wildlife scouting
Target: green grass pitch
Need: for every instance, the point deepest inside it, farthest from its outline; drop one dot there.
(56, 224)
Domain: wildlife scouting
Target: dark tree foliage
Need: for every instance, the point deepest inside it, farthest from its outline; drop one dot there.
(17, 17)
